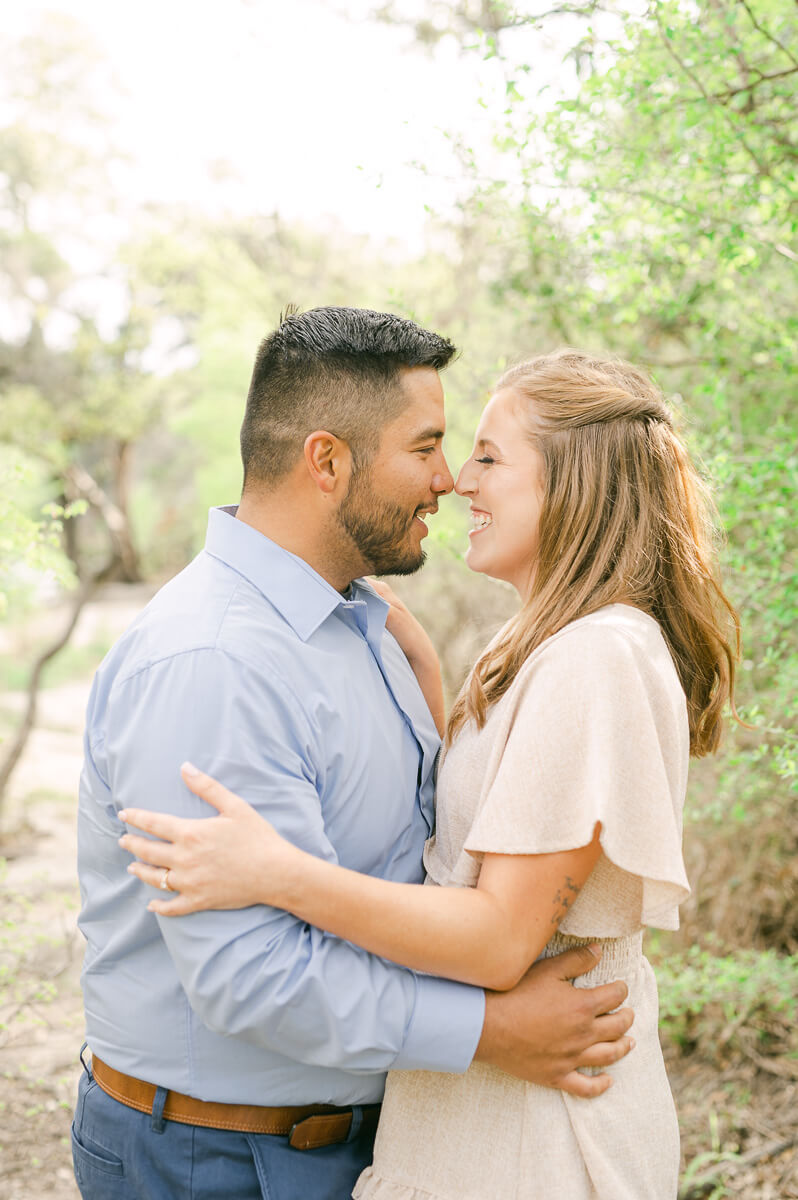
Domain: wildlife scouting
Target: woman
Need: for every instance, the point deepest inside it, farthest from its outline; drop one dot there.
(560, 791)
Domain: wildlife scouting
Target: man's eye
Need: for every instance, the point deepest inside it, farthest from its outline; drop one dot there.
(426, 449)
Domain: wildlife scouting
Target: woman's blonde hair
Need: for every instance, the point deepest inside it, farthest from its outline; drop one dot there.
(624, 519)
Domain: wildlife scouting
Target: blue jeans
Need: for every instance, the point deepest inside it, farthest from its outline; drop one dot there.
(122, 1154)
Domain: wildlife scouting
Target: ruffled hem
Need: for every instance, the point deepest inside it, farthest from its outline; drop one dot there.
(373, 1187)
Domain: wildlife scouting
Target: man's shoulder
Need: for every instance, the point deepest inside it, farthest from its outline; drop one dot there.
(208, 606)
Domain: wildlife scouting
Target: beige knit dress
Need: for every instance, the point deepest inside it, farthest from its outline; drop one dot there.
(594, 728)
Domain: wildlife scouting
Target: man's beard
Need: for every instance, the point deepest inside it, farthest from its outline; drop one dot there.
(379, 529)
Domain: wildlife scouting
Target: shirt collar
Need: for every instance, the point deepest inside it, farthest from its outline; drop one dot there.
(298, 592)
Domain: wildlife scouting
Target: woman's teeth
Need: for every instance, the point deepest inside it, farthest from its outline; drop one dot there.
(481, 520)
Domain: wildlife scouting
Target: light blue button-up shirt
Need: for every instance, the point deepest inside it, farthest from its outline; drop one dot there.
(250, 665)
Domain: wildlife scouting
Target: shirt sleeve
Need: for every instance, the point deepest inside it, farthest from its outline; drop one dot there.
(598, 733)
(260, 974)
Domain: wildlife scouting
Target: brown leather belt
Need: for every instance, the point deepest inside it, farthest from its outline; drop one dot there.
(307, 1125)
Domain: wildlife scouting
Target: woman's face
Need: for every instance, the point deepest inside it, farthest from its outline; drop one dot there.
(503, 480)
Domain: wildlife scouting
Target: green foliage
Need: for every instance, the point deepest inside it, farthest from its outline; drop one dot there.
(741, 1003)
(29, 547)
(757, 492)
(652, 211)
(26, 991)
(680, 159)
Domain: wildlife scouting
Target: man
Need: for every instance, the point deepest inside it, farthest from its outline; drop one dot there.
(243, 1053)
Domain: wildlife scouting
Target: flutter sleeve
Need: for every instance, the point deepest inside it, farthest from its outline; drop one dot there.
(597, 731)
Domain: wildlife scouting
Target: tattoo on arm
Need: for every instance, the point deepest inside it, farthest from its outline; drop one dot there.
(563, 899)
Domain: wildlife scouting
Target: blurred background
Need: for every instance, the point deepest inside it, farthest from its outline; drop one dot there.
(615, 176)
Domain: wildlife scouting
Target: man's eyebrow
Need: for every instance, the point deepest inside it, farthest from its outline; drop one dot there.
(428, 435)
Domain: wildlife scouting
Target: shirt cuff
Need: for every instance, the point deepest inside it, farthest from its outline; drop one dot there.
(445, 1027)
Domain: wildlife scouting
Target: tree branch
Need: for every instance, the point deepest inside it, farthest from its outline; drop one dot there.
(770, 37)
(694, 79)
(86, 487)
(81, 597)
(727, 93)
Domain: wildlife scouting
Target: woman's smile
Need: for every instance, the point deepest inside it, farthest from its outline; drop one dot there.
(480, 521)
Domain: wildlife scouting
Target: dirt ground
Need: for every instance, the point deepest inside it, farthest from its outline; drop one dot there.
(739, 1125)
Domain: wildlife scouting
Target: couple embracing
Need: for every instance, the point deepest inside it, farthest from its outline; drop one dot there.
(240, 1031)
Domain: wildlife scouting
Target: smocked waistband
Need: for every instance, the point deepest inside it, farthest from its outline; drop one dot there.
(620, 956)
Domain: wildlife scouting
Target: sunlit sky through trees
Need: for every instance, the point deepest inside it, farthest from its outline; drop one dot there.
(311, 108)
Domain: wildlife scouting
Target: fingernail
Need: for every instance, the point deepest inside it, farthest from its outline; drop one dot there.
(122, 814)
(632, 1043)
(130, 870)
(189, 769)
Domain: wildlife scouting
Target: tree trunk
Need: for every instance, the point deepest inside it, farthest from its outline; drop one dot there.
(122, 563)
(84, 593)
(130, 559)
(115, 519)
(70, 539)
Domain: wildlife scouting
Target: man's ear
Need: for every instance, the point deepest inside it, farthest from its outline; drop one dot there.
(328, 460)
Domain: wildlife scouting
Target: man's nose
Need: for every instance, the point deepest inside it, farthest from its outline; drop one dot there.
(442, 481)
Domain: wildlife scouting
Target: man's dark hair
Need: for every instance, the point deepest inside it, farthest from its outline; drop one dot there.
(330, 368)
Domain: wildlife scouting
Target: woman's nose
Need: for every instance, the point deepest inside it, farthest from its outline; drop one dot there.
(465, 483)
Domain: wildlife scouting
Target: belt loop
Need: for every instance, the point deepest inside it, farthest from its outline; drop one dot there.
(158, 1123)
(84, 1064)
(357, 1122)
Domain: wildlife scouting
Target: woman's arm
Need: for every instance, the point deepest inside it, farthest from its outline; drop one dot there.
(488, 935)
(418, 649)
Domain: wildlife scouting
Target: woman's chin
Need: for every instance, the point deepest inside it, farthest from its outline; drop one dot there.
(471, 560)
(478, 563)
(480, 566)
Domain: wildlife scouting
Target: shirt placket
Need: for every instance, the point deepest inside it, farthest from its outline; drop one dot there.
(357, 613)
